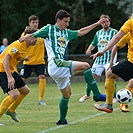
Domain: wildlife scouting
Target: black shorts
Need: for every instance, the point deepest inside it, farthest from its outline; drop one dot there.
(28, 69)
(124, 69)
(4, 82)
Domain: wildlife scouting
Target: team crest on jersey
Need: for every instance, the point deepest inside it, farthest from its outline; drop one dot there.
(103, 42)
(14, 50)
(61, 41)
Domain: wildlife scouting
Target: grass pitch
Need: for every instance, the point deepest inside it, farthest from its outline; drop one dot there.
(82, 117)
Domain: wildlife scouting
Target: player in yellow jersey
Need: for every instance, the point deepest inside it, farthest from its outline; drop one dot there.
(10, 81)
(124, 69)
(36, 61)
(125, 40)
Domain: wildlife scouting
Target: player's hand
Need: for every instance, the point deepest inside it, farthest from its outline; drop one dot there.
(102, 21)
(26, 58)
(94, 56)
(88, 52)
(110, 65)
(21, 39)
(11, 83)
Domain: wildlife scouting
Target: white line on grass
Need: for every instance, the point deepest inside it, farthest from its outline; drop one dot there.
(83, 119)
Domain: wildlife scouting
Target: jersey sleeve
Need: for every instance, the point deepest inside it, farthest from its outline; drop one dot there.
(125, 39)
(95, 40)
(127, 26)
(72, 34)
(12, 51)
(43, 32)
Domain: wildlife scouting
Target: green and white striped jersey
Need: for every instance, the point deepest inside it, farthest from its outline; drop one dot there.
(56, 40)
(100, 41)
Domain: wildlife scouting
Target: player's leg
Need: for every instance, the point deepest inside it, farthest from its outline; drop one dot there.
(109, 88)
(85, 68)
(64, 86)
(12, 94)
(124, 70)
(23, 91)
(40, 70)
(60, 73)
(106, 66)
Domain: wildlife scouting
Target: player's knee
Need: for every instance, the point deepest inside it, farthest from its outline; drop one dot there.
(42, 76)
(109, 74)
(14, 94)
(86, 65)
(131, 82)
(25, 90)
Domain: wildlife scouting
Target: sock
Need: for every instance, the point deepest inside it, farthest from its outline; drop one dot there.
(15, 104)
(92, 83)
(5, 104)
(109, 88)
(115, 90)
(42, 88)
(88, 90)
(63, 108)
(130, 89)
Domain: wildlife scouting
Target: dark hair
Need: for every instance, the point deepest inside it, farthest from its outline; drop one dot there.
(61, 14)
(29, 30)
(105, 16)
(33, 17)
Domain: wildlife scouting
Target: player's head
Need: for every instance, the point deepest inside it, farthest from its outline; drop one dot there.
(62, 19)
(30, 30)
(105, 25)
(33, 21)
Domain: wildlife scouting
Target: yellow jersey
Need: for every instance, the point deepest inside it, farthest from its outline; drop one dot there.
(127, 28)
(17, 51)
(36, 53)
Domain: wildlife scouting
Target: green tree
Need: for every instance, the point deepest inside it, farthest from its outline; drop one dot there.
(15, 13)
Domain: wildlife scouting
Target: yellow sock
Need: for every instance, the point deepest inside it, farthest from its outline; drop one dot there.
(130, 89)
(109, 88)
(5, 104)
(15, 104)
(42, 88)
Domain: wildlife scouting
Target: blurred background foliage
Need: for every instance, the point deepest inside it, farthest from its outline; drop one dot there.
(14, 16)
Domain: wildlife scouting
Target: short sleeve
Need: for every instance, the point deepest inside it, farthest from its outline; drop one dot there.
(127, 26)
(72, 34)
(43, 32)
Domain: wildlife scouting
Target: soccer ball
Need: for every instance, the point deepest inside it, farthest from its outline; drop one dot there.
(124, 96)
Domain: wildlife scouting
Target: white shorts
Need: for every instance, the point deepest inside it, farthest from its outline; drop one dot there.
(61, 75)
(97, 69)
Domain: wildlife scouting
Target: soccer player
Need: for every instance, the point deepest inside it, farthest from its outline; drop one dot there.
(122, 43)
(124, 69)
(56, 40)
(10, 81)
(36, 61)
(101, 39)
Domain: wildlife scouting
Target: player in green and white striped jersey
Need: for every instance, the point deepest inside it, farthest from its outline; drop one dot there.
(101, 39)
(56, 40)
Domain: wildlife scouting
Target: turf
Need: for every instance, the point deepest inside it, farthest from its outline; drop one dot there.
(82, 117)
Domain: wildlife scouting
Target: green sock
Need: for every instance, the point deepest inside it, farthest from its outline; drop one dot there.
(88, 90)
(63, 108)
(91, 82)
(115, 90)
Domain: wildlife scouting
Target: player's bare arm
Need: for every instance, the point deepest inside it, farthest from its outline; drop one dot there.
(26, 37)
(90, 48)
(112, 42)
(87, 29)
